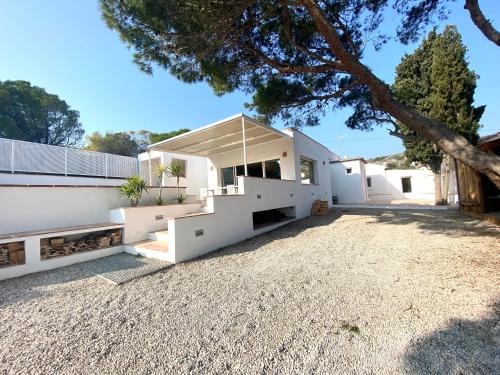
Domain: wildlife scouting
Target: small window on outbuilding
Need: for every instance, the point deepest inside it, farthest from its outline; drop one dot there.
(348, 170)
(369, 181)
(406, 182)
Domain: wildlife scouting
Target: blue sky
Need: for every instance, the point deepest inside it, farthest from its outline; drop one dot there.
(64, 47)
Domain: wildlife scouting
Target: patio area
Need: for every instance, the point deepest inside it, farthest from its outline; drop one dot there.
(362, 291)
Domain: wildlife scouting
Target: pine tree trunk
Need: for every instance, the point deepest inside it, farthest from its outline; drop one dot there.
(437, 189)
(435, 131)
(446, 179)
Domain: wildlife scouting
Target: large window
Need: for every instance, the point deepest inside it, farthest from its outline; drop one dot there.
(273, 169)
(406, 182)
(307, 172)
(182, 162)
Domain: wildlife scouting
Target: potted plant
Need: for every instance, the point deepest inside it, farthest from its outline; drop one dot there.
(133, 189)
(160, 171)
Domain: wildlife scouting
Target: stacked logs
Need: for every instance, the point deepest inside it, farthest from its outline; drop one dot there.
(59, 246)
(12, 253)
(320, 208)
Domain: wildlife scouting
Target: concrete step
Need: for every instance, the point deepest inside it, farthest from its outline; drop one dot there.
(150, 249)
(161, 235)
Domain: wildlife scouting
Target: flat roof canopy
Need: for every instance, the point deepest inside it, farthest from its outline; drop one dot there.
(221, 136)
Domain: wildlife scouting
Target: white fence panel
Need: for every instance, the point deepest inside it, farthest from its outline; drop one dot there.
(5, 155)
(119, 166)
(86, 163)
(38, 158)
(29, 157)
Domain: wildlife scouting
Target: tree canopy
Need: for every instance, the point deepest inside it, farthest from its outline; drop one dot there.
(436, 80)
(127, 143)
(298, 58)
(29, 113)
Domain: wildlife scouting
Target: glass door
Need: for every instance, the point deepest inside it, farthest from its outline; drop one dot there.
(227, 176)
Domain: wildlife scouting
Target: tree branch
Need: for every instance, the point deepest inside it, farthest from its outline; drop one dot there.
(482, 22)
(286, 68)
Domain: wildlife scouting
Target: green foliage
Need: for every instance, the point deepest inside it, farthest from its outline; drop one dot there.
(176, 169)
(120, 143)
(158, 137)
(133, 189)
(31, 114)
(160, 171)
(272, 49)
(436, 80)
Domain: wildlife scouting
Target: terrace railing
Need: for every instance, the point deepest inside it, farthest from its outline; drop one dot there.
(29, 157)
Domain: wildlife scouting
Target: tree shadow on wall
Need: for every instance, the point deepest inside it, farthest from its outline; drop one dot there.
(462, 347)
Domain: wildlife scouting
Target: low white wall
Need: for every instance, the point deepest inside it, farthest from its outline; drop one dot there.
(32, 208)
(33, 262)
(40, 179)
(140, 221)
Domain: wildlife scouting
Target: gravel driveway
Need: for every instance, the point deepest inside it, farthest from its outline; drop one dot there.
(361, 292)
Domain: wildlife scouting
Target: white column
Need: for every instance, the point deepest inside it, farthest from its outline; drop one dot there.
(149, 167)
(244, 145)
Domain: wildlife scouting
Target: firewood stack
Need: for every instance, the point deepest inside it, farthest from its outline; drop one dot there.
(12, 253)
(320, 208)
(59, 246)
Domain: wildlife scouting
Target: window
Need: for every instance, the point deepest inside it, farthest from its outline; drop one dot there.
(406, 182)
(307, 172)
(273, 169)
(227, 176)
(369, 181)
(182, 162)
(348, 170)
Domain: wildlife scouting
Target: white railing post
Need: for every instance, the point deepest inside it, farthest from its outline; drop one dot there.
(244, 144)
(12, 157)
(65, 161)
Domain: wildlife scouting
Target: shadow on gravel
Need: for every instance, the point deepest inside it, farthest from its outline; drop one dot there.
(450, 223)
(462, 347)
(39, 285)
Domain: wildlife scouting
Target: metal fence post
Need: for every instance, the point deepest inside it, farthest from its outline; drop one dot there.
(12, 157)
(106, 164)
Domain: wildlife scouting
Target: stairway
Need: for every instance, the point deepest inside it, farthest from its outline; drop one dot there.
(156, 246)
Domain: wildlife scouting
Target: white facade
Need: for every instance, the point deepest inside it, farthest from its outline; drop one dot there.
(387, 184)
(196, 170)
(348, 181)
(356, 181)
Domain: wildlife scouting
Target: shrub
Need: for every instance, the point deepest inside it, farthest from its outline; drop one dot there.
(133, 189)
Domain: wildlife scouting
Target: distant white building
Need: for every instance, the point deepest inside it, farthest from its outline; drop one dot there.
(356, 181)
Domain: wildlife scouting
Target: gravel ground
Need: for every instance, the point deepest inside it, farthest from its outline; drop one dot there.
(361, 292)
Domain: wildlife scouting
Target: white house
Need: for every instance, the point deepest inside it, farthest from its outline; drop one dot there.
(243, 178)
(356, 181)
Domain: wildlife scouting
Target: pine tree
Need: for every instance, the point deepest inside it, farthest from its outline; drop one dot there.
(436, 80)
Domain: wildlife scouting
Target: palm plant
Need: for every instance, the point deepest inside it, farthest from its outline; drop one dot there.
(160, 171)
(133, 189)
(176, 169)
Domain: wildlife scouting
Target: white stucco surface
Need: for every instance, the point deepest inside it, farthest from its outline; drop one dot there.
(349, 187)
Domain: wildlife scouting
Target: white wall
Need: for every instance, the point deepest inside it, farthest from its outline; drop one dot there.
(140, 221)
(196, 170)
(31, 208)
(40, 179)
(349, 188)
(387, 185)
